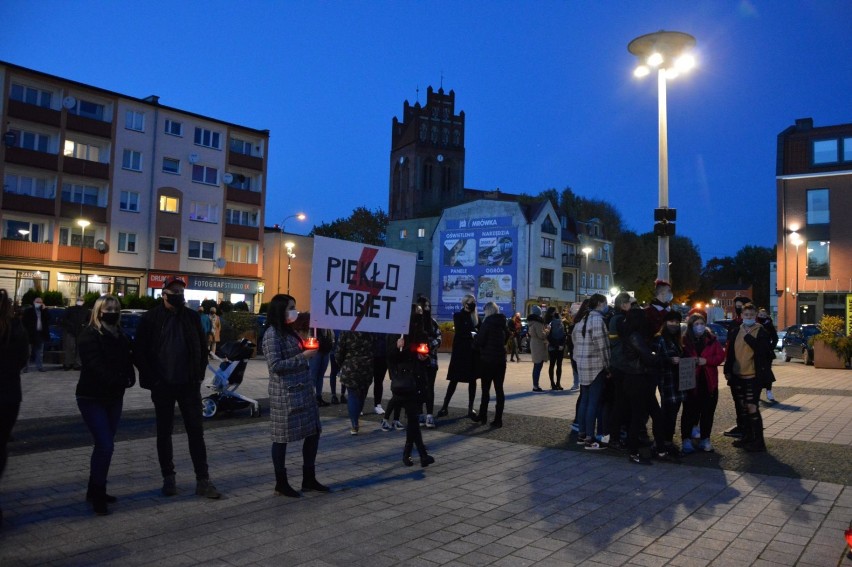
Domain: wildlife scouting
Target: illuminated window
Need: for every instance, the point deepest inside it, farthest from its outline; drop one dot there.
(169, 204)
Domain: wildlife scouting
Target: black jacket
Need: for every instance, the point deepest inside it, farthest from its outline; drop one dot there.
(638, 357)
(13, 357)
(763, 355)
(491, 339)
(29, 320)
(146, 349)
(75, 319)
(107, 364)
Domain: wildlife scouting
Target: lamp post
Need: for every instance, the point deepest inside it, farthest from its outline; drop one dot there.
(290, 256)
(587, 250)
(797, 241)
(82, 223)
(668, 52)
(300, 217)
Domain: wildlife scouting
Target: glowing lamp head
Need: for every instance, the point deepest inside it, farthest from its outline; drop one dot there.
(655, 59)
(422, 348)
(641, 71)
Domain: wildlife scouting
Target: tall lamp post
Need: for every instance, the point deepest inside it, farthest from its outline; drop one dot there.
(290, 256)
(587, 250)
(82, 223)
(797, 241)
(297, 216)
(668, 52)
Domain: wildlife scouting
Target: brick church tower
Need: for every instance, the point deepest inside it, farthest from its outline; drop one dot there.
(427, 158)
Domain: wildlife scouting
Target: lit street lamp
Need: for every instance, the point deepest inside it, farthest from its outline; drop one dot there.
(668, 52)
(290, 256)
(82, 223)
(297, 216)
(587, 250)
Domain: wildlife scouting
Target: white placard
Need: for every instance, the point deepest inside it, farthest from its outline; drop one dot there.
(360, 287)
(687, 373)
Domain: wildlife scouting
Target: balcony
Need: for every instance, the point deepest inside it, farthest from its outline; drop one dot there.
(243, 196)
(241, 270)
(89, 126)
(570, 261)
(242, 160)
(26, 249)
(32, 158)
(33, 113)
(28, 204)
(89, 212)
(85, 167)
(242, 232)
(72, 254)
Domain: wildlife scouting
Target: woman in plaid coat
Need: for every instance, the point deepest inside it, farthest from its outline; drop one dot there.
(293, 407)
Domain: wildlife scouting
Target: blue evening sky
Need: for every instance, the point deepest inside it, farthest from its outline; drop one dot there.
(546, 86)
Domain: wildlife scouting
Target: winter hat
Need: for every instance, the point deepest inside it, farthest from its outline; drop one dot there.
(696, 311)
(535, 310)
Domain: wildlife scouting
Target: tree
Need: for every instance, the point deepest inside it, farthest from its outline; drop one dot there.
(363, 226)
(750, 266)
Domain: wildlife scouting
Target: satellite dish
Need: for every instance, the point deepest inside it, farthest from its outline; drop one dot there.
(101, 246)
(69, 102)
(220, 263)
(193, 158)
(228, 178)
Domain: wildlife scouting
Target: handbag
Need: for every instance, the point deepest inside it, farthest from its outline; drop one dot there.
(404, 380)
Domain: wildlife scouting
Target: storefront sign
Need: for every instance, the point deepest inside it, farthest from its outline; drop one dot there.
(223, 285)
(157, 279)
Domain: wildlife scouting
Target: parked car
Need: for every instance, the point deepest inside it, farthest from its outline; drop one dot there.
(524, 337)
(129, 321)
(721, 332)
(54, 319)
(795, 344)
(780, 344)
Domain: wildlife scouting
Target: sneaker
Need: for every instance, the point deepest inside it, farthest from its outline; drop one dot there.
(574, 389)
(581, 439)
(421, 419)
(537, 389)
(704, 445)
(575, 427)
(206, 489)
(385, 425)
(430, 422)
(594, 446)
(603, 439)
(687, 448)
(696, 432)
(637, 459)
(769, 396)
(353, 431)
(169, 485)
(379, 409)
(398, 425)
(734, 432)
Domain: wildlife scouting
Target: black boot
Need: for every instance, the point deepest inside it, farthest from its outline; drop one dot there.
(425, 458)
(406, 455)
(282, 487)
(310, 482)
(756, 444)
(89, 494)
(99, 500)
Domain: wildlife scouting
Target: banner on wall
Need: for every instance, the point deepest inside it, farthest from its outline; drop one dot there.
(360, 287)
(848, 314)
(478, 257)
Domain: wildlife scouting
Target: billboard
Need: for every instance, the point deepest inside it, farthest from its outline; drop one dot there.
(478, 257)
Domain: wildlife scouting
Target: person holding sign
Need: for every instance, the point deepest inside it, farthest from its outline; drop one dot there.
(668, 346)
(699, 404)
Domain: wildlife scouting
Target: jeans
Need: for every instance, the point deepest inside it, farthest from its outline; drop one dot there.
(537, 366)
(188, 399)
(101, 417)
(590, 402)
(317, 366)
(37, 353)
(492, 372)
(576, 374)
(355, 405)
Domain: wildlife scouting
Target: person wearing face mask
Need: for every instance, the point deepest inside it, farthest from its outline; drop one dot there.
(591, 351)
(538, 345)
(462, 366)
(107, 371)
(76, 317)
(37, 325)
(764, 319)
(737, 431)
(655, 313)
(668, 347)
(293, 410)
(170, 352)
(699, 404)
(748, 369)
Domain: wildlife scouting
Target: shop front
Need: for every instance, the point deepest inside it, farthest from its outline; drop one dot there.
(201, 288)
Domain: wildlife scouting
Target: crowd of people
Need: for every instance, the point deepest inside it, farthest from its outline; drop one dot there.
(629, 365)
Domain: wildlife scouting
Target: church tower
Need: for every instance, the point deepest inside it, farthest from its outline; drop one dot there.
(427, 158)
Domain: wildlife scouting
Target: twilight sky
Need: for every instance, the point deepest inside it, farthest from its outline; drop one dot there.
(546, 86)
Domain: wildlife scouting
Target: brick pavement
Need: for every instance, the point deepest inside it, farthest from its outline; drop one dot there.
(485, 502)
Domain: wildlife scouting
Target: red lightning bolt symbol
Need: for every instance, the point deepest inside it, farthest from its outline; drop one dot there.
(361, 283)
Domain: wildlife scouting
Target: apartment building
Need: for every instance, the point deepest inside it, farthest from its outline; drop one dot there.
(109, 193)
(596, 273)
(814, 195)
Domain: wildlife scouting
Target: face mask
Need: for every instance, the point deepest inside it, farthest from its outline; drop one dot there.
(470, 306)
(749, 322)
(292, 315)
(738, 309)
(38, 305)
(176, 300)
(665, 296)
(698, 330)
(79, 303)
(110, 318)
(604, 310)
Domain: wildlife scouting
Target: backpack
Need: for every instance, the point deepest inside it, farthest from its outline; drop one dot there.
(556, 336)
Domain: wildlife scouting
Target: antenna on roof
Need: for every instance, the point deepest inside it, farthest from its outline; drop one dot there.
(418, 94)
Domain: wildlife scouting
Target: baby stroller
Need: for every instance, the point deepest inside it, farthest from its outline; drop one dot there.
(227, 378)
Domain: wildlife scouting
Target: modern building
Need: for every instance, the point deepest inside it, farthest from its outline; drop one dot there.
(105, 192)
(814, 235)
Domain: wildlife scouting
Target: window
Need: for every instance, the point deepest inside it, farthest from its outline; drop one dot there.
(31, 140)
(421, 233)
(421, 256)
(403, 233)
(80, 150)
(30, 95)
(547, 247)
(240, 146)
(242, 217)
(174, 128)
(546, 277)
(129, 201)
(825, 151)
(241, 252)
(606, 282)
(167, 244)
(171, 165)
(847, 149)
(582, 279)
(567, 281)
(126, 242)
(78, 193)
(207, 138)
(599, 281)
(201, 250)
(70, 236)
(169, 204)
(132, 160)
(134, 120)
(23, 230)
(818, 206)
(241, 181)
(88, 109)
(31, 186)
(818, 260)
(204, 174)
(206, 212)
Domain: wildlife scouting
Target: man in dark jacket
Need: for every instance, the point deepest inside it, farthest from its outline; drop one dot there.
(171, 355)
(76, 317)
(37, 324)
(748, 369)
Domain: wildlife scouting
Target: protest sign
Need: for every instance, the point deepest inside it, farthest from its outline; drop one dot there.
(687, 373)
(360, 287)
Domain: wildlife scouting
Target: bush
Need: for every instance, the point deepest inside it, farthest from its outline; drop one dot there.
(50, 298)
(447, 326)
(236, 323)
(90, 298)
(134, 301)
(831, 329)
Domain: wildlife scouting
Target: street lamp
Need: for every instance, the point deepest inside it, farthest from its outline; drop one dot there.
(82, 223)
(297, 216)
(668, 52)
(587, 250)
(290, 256)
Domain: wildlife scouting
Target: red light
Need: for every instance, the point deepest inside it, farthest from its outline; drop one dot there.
(311, 343)
(849, 537)
(422, 348)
